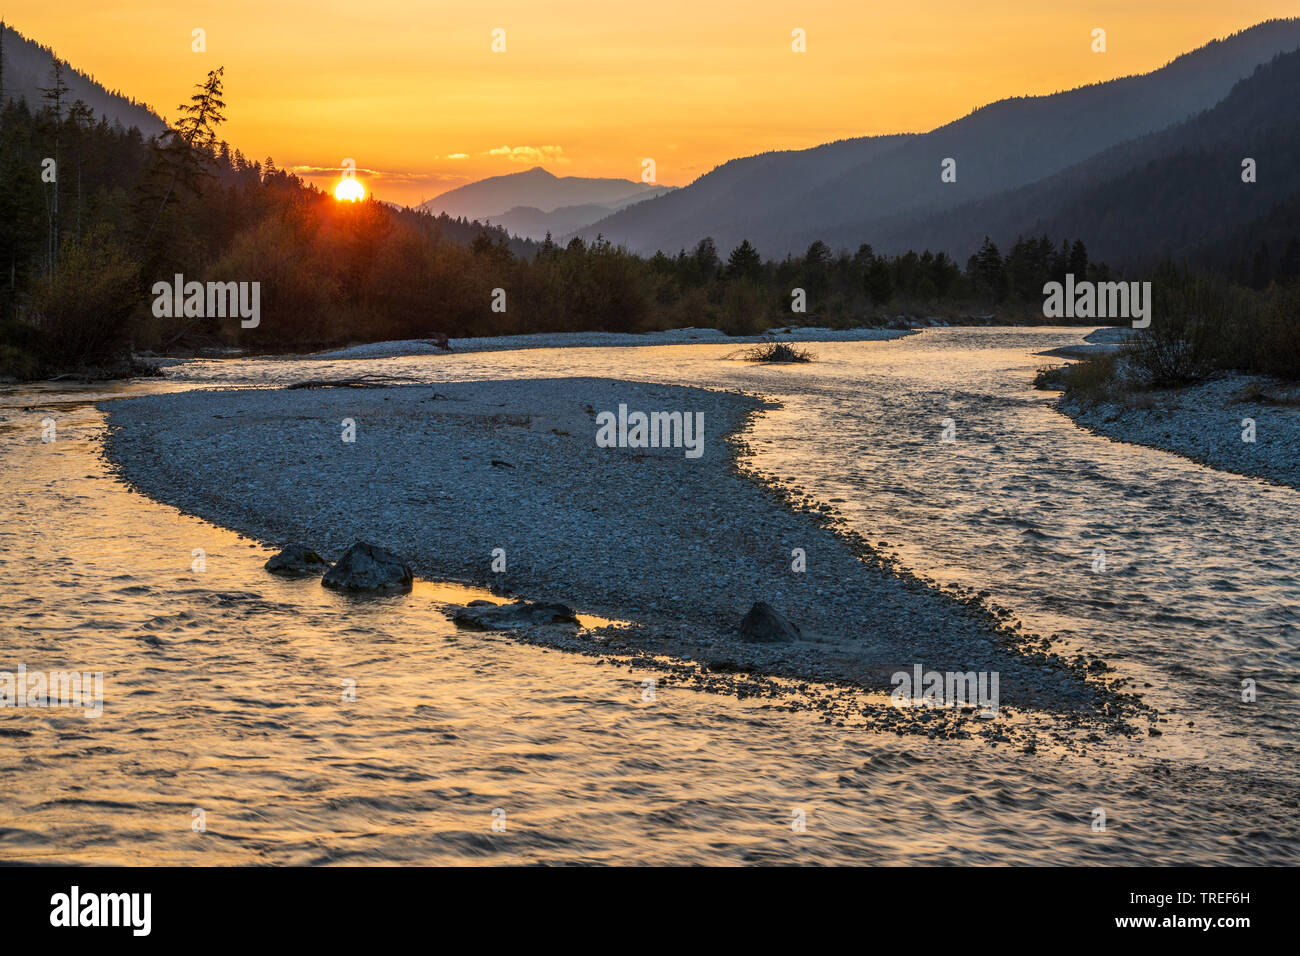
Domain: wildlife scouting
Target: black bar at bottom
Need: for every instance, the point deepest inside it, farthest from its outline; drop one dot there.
(909, 906)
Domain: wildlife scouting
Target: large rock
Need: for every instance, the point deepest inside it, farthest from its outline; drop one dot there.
(485, 616)
(296, 561)
(764, 624)
(365, 567)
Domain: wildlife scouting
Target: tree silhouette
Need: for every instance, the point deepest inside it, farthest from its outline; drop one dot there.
(745, 263)
(187, 150)
(54, 94)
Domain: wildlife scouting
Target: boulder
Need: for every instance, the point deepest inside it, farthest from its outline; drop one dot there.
(365, 567)
(764, 624)
(296, 561)
(500, 617)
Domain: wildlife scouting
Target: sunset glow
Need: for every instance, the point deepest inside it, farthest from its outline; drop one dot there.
(416, 94)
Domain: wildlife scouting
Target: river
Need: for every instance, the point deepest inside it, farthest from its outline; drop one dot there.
(225, 739)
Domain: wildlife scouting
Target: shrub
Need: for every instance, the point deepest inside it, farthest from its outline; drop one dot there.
(83, 309)
(742, 309)
(773, 352)
(1166, 359)
(1196, 325)
(1278, 340)
(1090, 380)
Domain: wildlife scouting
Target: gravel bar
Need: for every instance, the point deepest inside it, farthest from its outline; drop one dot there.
(679, 546)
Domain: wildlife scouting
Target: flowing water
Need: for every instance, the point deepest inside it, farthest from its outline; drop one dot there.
(226, 736)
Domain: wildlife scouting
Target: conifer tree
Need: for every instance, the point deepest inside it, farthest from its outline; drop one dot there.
(186, 151)
(55, 94)
(745, 262)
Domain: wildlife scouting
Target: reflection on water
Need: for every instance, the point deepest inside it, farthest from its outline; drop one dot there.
(225, 688)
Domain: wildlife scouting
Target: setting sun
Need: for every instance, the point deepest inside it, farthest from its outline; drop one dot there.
(349, 190)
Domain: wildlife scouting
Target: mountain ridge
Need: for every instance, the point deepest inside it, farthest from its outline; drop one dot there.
(513, 195)
(998, 147)
(26, 70)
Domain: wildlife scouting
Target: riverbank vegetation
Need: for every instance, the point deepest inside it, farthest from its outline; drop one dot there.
(1202, 326)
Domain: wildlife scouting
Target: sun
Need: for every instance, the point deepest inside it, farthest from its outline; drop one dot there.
(348, 190)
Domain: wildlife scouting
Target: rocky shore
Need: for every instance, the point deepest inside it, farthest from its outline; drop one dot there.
(462, 479)
(1237, 423)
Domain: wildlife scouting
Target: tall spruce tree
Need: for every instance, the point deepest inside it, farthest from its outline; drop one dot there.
(184, 155)
(745, 263)
(54, 94)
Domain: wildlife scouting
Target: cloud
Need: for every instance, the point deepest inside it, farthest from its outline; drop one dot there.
(458, 156)
(385, 175)
(326, 171)
(531, 154)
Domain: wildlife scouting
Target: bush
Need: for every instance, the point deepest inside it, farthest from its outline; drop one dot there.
(743, 309)
(82, 310)
(1196, 325)
(1090, 380)
(773, 352)
(1166, 359)
(1277, 343)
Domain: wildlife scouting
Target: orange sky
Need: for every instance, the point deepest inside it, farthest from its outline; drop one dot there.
(413, 91)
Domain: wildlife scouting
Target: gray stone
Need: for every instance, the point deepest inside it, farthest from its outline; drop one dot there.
(765, 625)
(365, 567)
(498, 617)
(296, 561)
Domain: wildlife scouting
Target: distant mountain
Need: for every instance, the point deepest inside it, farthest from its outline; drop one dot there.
(532, 223)
(867, 190)
(533, 202)
(26, 70)
(734, 200)
(1174, 194)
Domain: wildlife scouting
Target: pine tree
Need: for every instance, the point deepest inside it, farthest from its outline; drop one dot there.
(815, 276)
(187, 149)
(818, 255)
(55, 93)
(705, 258)
(1079, 260)
(987, 269)
(81, 119)
(745, 263)
(879, 282)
